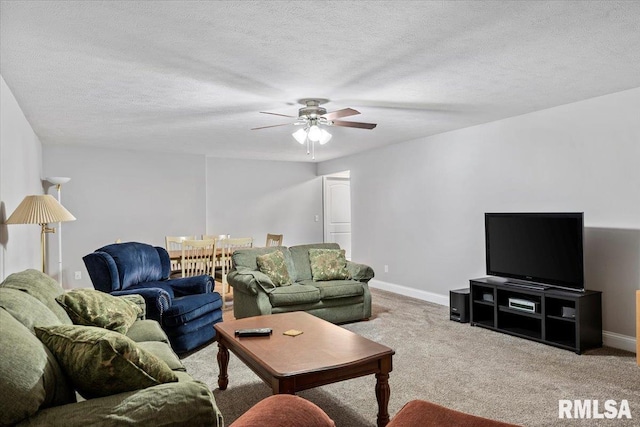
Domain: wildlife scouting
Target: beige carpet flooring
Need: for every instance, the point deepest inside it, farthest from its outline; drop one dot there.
(462, 367)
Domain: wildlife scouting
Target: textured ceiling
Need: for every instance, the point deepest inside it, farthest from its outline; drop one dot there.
(192, 77)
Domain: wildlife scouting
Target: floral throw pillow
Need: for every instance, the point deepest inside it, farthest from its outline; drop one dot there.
(328, 264)
(101, 362)
(90, 307)
(274, 266)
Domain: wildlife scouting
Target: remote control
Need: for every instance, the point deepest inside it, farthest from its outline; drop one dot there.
(257, 332)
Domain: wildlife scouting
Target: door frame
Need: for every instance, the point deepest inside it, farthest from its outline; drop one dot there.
(342, 176)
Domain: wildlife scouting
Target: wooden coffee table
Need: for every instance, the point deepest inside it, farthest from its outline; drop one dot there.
(323, 354)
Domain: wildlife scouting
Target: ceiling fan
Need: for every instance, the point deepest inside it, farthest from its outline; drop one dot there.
(312, 116)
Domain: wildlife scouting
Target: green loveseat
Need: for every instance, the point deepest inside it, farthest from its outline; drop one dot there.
(35, 391)
(336, 301)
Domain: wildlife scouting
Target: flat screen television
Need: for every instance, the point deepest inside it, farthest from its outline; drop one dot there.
(540, 249)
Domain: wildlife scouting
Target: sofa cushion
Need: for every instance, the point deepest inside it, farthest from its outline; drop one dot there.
(337, 288)
(147, 330)
(245, 259)
(89, 307)
(328, 264)
(273, 265)
(294, 295)
(41, 287)
(101, 362)
(30, 377)
(300, 258)
(26, 309)
(164, 352)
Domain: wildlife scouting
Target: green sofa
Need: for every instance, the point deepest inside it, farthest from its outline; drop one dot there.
(336, 301)
(35, 391)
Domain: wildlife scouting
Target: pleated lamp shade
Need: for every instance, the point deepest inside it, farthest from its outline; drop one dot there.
(40, 209)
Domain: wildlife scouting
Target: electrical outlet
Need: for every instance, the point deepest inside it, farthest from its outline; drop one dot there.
(78, 275)
(317, 218)
(386, 268)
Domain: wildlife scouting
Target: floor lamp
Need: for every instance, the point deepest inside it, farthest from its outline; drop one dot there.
(40, 209)
(58, 181)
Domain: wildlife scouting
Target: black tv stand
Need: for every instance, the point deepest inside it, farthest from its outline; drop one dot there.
(548, 323)
(527, 285)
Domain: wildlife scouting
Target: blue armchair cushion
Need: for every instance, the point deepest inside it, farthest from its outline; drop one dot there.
(127, 264)
(188, 308)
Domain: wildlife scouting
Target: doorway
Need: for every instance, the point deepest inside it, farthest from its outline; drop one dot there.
(336, 194)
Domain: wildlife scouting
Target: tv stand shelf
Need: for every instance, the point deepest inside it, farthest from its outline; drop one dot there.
(490, 309)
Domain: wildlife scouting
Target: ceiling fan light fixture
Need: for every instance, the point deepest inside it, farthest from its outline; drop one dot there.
(313, 118)
(300, 135)
(324, 137)
(314, 133)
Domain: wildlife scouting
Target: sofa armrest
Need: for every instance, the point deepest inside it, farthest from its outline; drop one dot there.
(163, 404)
(139, 300)
(157, 300)
(360, 272)
(184, 286)
(250, 281)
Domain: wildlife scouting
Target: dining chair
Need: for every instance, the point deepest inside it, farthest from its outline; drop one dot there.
(228, 246)
(215, 236)
(173, 245)
(218, 255)
(198, 257)
(274, 240)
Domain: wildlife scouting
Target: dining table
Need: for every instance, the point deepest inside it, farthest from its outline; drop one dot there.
(177, 255)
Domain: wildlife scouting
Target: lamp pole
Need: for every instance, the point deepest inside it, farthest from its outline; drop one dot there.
(58, 181)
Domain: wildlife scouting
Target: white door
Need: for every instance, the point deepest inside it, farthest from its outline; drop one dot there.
(337, 212)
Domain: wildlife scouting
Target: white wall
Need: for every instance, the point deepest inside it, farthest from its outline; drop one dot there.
(250, 198)
(20, 166)
(141, 196)
(120, 194)
(418, 206)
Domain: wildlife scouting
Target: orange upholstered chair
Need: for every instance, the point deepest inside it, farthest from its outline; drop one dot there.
(284, 410)
(420, 413)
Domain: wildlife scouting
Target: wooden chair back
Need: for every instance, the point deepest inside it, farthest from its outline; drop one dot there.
(198, 257)
(228, 246)
(173, 244)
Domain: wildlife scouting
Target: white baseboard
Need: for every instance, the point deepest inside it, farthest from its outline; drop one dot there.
(623, 342)
(610, 339)
(410, 292)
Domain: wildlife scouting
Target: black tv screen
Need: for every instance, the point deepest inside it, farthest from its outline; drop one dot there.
(545, 248)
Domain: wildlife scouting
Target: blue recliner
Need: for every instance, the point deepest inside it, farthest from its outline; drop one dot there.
(186, 308)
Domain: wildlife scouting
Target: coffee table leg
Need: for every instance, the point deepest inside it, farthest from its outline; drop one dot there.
(383, 391)
(223, 364)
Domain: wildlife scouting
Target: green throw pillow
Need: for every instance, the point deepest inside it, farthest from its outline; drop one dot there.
(274, 266)
(328, 264)
(89, 307)
(101, 362)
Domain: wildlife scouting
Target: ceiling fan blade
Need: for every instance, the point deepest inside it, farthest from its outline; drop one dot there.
(272, 126)
(359, 125)
(277, 114)
(345, 112)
